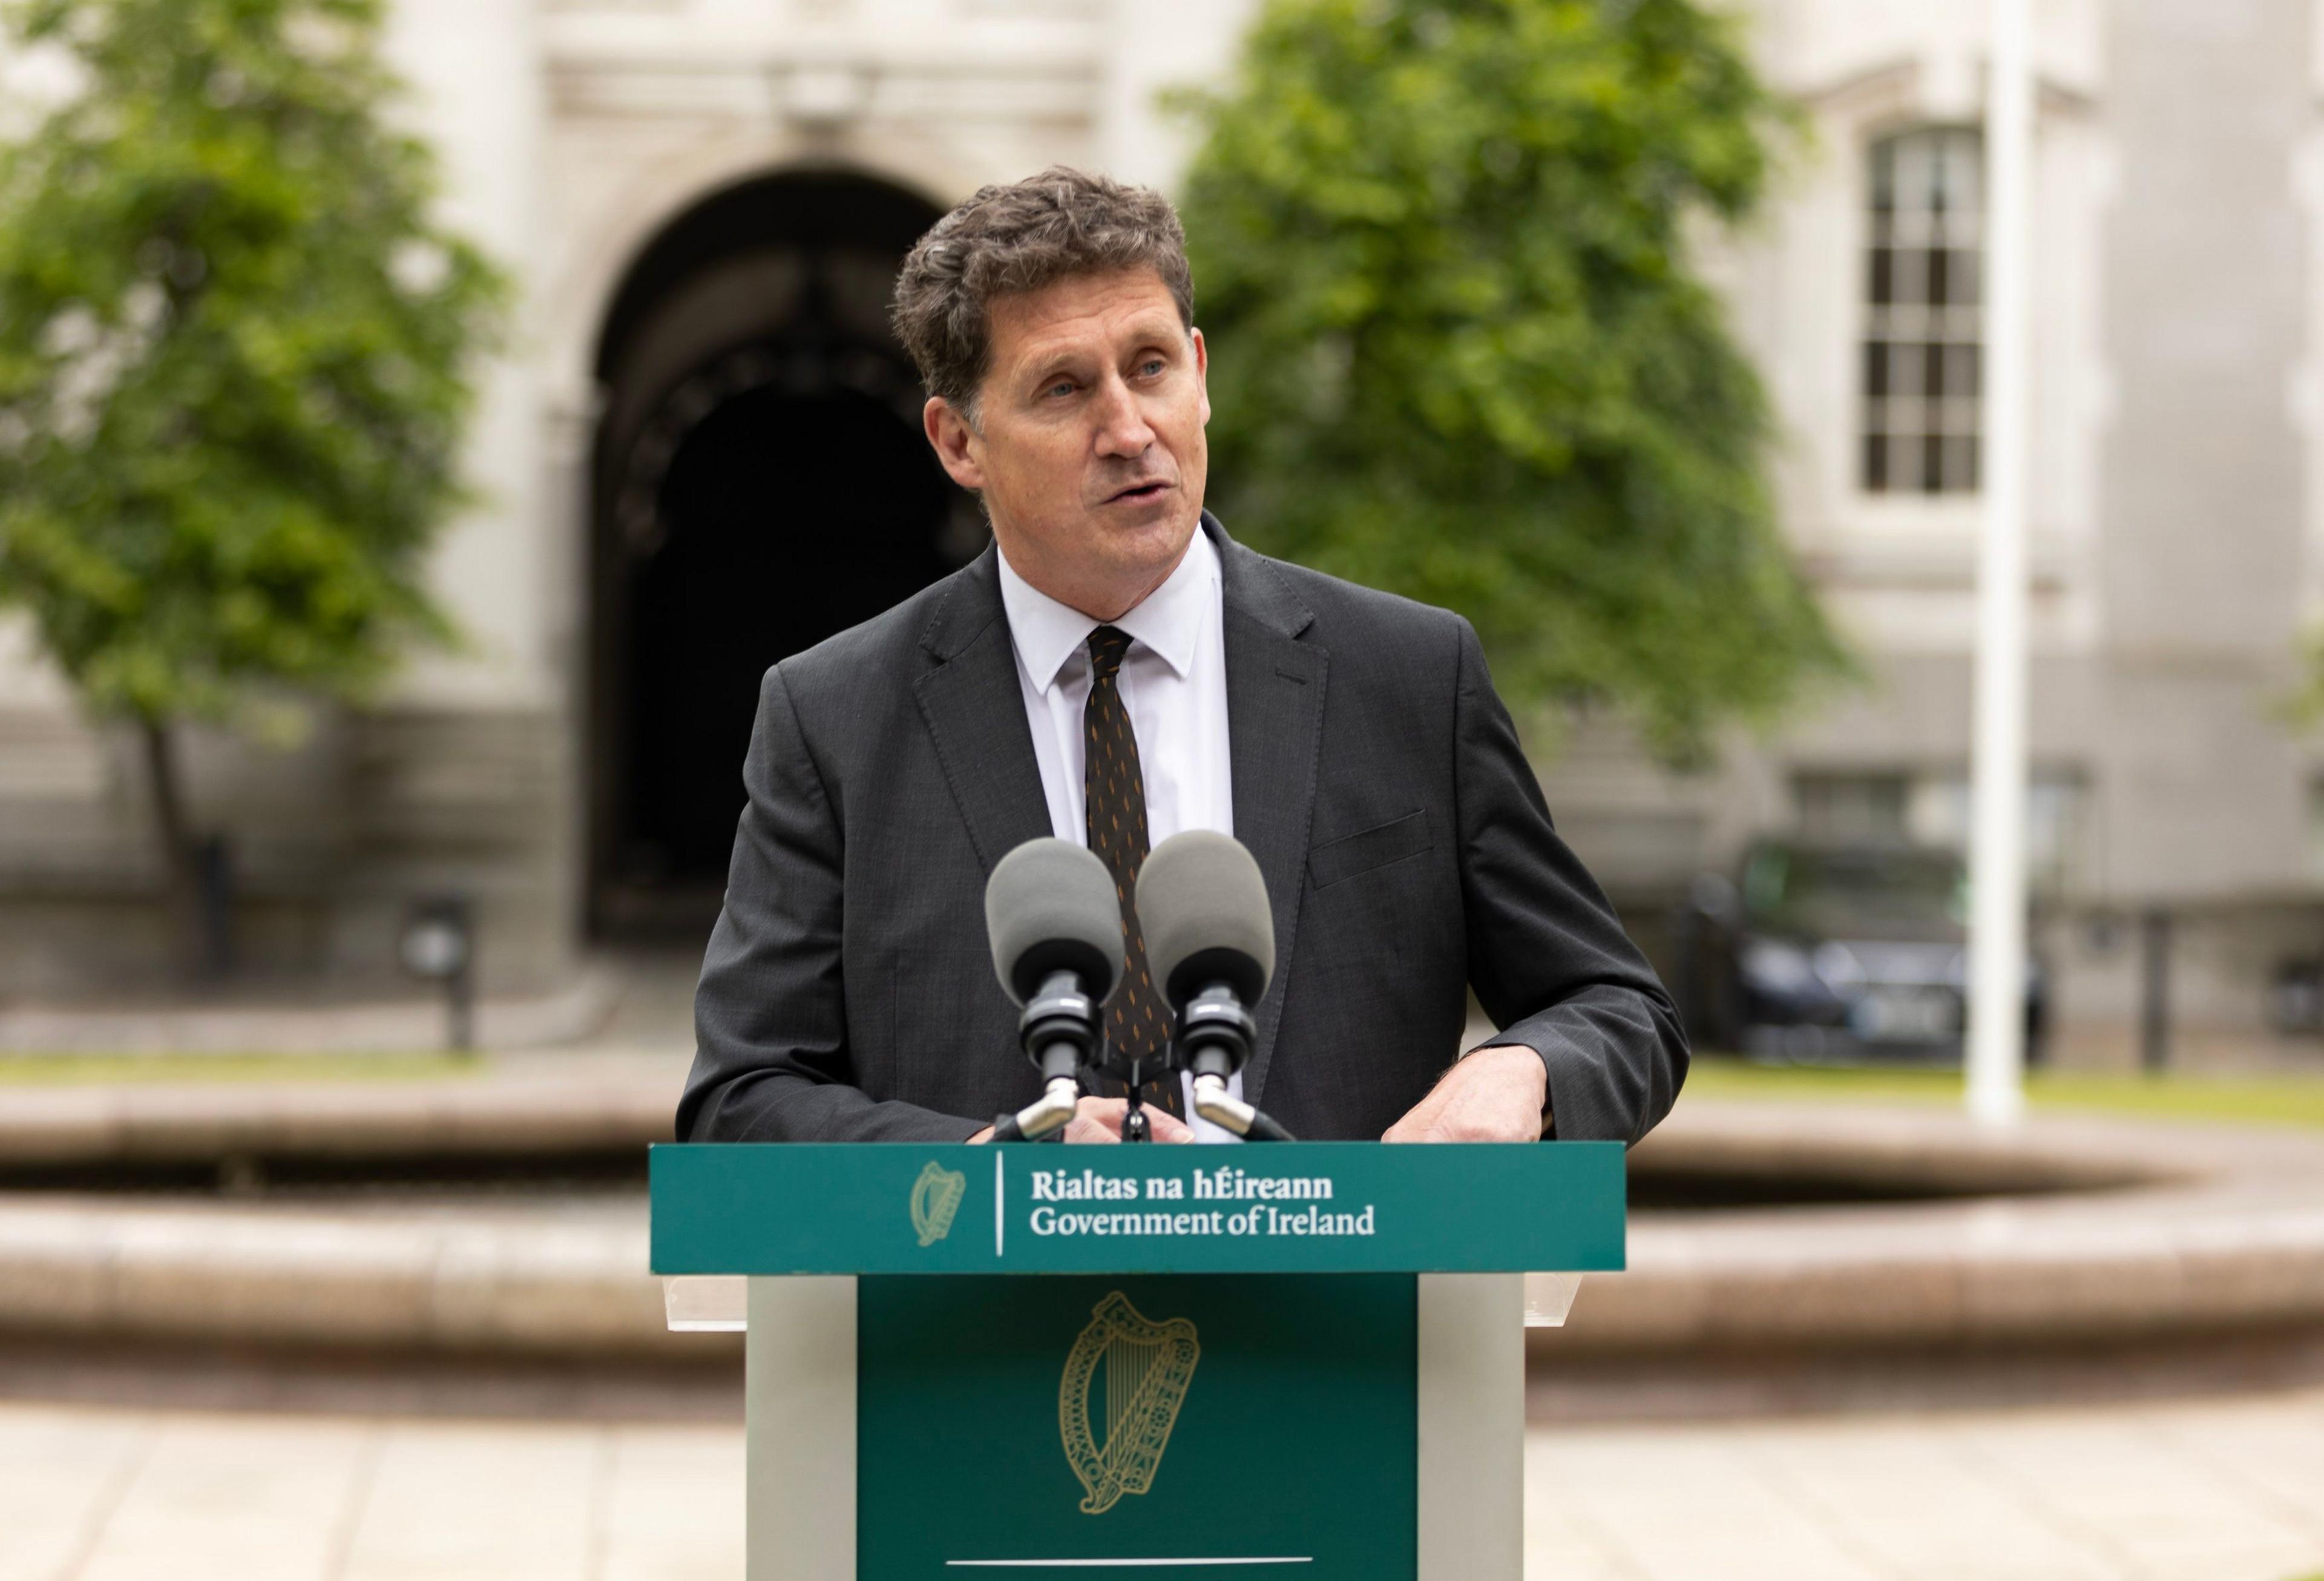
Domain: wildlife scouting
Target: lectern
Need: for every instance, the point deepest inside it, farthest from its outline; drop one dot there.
(1304, 1360)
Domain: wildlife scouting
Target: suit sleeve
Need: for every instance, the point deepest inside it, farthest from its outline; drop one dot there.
(1547, 955)
(770, 1060)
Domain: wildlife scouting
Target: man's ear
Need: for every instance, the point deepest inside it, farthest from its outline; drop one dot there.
(956, 444)
(1203, 371)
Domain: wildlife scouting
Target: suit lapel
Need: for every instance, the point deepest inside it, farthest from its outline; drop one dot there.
(975, 712)
(1275, 720)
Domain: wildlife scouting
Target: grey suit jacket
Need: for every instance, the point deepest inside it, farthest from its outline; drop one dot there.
(847, 994)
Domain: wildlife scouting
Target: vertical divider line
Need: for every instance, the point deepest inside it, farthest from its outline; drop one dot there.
(999, 1217)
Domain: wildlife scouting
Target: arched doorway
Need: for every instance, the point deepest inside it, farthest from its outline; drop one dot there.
(760, 483)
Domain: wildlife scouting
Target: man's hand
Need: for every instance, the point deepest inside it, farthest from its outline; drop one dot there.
(1100, 1119)
(1500, 1094)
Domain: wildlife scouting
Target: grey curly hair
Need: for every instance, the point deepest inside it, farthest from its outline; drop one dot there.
(1019, 237)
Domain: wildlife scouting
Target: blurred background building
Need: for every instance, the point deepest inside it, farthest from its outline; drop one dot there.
(702, 453)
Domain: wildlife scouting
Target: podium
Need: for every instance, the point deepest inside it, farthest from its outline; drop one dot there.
(1295, 1360)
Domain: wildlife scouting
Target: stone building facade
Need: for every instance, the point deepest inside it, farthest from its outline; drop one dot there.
(701, 454)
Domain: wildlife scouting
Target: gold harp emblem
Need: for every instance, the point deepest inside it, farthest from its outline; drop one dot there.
(936, 1197)
(1141, 1368)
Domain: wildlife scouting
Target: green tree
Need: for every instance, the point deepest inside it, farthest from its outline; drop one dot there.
(1460, 352)
(235, 365)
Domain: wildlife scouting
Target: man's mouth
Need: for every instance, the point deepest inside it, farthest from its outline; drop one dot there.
(1138, 491)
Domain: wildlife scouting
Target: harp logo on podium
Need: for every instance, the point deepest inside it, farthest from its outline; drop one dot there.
(936, 1198)
(1139, 1371)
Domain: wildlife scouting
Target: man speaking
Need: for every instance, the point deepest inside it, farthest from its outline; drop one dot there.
(1115, 669)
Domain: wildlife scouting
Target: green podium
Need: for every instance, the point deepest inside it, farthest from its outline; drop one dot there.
(1176, 1360)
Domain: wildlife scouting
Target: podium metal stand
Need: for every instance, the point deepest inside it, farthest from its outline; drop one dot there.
(1047, 1361)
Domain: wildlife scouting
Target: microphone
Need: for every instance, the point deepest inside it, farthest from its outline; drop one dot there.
(1055, 925)
(1210, 943)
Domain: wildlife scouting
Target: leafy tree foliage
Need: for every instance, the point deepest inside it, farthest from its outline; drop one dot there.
(1458, 351)
(234, 352)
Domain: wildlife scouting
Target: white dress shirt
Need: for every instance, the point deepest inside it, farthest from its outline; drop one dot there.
(1173, 681)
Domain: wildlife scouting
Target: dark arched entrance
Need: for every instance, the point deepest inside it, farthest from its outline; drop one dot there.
(760, 482)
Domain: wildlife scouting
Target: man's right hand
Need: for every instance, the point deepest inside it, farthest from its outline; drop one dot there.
(1100, 1119)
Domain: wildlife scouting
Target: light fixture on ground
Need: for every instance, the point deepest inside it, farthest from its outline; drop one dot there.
(440, 944)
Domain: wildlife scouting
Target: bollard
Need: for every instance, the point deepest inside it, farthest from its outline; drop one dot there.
(2155, 1003)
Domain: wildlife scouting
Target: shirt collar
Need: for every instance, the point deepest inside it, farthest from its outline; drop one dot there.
(1169, 621)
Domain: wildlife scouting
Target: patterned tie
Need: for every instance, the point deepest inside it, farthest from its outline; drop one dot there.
(1114, 796)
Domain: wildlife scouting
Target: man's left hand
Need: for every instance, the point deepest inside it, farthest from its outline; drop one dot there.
(1499, 1094)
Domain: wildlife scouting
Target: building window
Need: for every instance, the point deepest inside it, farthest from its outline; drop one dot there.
(1902, 807)
(1852, 808)
(1922, 341)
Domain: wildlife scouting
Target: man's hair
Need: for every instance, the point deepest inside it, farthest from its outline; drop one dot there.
(1019, 238)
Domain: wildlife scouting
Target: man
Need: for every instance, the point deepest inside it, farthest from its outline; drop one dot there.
(1114, 670)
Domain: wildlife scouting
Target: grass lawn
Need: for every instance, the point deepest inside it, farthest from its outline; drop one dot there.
(94, 1070)
(2277, 1100)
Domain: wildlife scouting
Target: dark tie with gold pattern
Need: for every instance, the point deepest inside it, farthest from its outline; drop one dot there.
(1113, 797)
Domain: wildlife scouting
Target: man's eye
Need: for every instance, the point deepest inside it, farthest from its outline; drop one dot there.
(1062, 387)
(1153, 365)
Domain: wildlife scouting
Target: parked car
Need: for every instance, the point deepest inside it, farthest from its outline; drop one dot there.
(1826, 954)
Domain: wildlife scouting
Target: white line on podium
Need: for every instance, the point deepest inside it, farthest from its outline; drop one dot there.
(999, 1216)
(1107, 1564)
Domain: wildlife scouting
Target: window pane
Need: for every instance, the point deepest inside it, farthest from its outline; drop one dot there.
(1962, 289)
(1955, 459)
(1922, 365)
(1904, 463)
(1965, 180)
(1960, 370)
(1904, 374)
(1912, 272)
(1913, 158)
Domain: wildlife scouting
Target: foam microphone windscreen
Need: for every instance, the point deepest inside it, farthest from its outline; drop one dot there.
(1202, 907)
(1050, 907)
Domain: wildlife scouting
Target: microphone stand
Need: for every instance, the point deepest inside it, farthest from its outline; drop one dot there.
(1061, 1031)
(1134, 1125)
(1215, 1035)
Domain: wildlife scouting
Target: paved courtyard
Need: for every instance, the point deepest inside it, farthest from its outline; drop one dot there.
(2221, 1490)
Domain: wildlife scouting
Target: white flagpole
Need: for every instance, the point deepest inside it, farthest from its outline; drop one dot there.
(1996, 1013)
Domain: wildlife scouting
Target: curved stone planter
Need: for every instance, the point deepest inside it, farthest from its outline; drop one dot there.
(96, 1269)
(2092, 1229)
(493, 1116)
(2140, 1230)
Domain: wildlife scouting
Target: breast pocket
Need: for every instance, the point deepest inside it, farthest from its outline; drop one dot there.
(1337, 861)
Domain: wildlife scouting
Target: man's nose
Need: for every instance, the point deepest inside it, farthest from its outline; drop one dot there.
(1121, 427)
